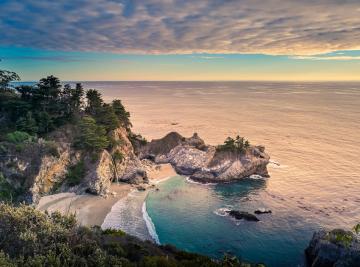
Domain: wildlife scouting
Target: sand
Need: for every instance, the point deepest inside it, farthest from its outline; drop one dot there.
(91, 210)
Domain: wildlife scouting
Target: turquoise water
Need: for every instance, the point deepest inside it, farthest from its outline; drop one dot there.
(188, 215)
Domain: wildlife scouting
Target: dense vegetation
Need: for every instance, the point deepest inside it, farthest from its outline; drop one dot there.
(239, 145)
(31, 238)
(34, 111)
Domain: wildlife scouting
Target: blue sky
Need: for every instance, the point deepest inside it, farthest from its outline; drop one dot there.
(181, 40)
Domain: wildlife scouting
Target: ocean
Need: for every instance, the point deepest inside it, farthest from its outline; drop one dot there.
(311, 130)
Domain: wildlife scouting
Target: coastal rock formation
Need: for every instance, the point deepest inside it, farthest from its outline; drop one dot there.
(191, 156)
(335, 248)
(99, 175)
(34, 168)
(128, 168)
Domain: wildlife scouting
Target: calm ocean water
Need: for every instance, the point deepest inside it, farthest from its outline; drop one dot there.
(311, 129)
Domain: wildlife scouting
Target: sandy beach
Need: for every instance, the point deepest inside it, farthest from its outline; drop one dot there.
(91, 210)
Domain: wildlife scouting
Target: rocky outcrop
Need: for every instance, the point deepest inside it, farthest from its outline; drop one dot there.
(338, 248)
(190, 156)
(38, 167)
(129, 168)
(99, 175)
(33, 168)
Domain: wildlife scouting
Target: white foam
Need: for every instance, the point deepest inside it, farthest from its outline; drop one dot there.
(222, 212)
(162, 180)
(149, 224)
(195, 182)
(256, 177)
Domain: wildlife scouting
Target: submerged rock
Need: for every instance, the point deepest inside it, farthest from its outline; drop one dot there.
(239, 215)
(262, 211)
(338, 248)
(203, 163)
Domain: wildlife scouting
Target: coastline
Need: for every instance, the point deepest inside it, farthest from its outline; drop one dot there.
(92, 210)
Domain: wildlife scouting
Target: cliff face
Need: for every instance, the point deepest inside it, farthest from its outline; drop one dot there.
(34, 168)
(38, 168)
(335, 248)
(190, 156)
(129, 168)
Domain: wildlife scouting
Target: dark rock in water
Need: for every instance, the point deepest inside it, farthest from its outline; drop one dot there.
(335, 248)
(239, 215)
(141, 188)
(262, 211)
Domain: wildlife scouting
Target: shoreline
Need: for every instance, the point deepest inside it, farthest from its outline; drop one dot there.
(91, 210)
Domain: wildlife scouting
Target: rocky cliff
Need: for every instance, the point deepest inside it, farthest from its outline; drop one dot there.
(338, 248)
(40, 167)
(204, 163)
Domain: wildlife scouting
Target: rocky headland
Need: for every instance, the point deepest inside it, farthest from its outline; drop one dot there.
(205, 163)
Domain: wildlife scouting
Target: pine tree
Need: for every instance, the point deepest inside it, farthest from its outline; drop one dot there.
(91, 137)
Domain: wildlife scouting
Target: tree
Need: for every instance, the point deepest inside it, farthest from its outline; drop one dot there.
(94, 101)
(6, 92)
(91, 137)
(6, 77)
(76, 96)
(239, 143)
(45, 123)
(27, 124)
(107, 117)
(50, 87)
(121, 113)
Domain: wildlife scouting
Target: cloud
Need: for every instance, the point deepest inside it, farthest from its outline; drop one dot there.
(274, 27)
(327, 57)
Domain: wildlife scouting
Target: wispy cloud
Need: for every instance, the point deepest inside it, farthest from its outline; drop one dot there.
(327, 57)
(274, 27)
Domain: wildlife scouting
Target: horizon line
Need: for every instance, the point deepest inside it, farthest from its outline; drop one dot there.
(285, 81)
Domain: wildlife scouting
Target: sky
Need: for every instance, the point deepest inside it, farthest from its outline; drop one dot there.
(82, 40)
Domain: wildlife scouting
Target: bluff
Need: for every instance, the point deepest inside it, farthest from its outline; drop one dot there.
(41, 167)
(205, 163)
(334, 248)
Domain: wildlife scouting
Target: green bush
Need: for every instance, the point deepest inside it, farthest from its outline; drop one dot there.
(239, 145)
(113, 232)
(18, 137)
(7, 192)
(31, 238)
(76, 173)
(357, 229)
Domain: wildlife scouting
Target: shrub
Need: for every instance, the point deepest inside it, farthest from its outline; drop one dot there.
(118, 157)
(340, 237)
(18, 137)
(357, 229)
(239, 145)
(113, 232)
(75, 173)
